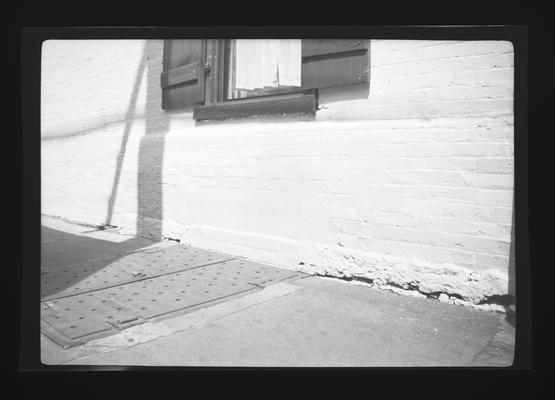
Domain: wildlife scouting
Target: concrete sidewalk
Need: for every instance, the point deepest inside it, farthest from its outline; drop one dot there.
(313, 321)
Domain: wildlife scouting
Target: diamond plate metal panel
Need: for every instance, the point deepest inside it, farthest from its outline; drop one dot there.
(260, 274)
(85, 314)
(103, 310)
(169, 293)
(66, 281)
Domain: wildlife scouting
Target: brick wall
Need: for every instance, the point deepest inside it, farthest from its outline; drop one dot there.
(407, 184)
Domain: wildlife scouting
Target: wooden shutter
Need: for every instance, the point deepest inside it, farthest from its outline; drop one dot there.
(182, 79)
(334, 62)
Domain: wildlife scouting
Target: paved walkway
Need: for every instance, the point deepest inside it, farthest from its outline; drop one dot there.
(312, 321)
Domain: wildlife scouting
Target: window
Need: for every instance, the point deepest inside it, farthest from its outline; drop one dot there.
(262, 66)
(217, 78)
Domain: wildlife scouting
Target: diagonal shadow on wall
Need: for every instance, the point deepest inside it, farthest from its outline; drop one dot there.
(151, 150)
(149, 186)
(151, 155)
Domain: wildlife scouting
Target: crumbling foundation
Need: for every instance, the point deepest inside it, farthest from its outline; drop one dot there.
(482, 289)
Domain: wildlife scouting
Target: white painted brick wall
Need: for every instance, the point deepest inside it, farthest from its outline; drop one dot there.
(420, 169)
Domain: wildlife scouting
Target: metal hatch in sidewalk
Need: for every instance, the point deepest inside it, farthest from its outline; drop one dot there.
(78, 318)
(85, 277)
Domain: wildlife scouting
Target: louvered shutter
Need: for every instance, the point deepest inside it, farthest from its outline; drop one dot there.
(329, 63)
(182, 79)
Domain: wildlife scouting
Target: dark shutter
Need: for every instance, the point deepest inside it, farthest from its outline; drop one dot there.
(334, 62)
(182, 79)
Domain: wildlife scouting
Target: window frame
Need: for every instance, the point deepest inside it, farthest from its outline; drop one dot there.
(272, 102)
(320, 70)
(257, 93)
(217, 78)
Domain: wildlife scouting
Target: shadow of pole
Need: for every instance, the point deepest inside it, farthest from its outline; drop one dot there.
(151, 150)
(151, 156)
(129, 116)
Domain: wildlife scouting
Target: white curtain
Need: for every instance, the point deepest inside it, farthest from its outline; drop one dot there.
(261, 63)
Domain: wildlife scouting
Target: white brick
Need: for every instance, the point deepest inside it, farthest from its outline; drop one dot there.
(380, 217)
(482, 150)
(426, 150)
(451, 193)
(454, 164)
(490, 181)
(488, 261)
(494, 197)
(495, 165)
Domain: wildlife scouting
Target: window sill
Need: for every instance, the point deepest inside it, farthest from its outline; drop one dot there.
(297, 103)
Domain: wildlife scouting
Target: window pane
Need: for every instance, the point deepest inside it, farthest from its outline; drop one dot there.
(263, 66)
